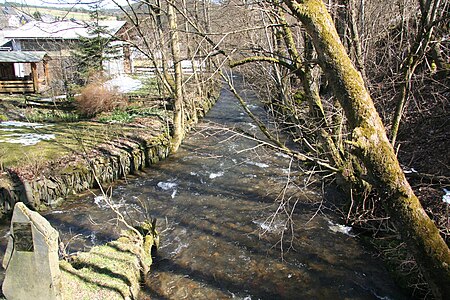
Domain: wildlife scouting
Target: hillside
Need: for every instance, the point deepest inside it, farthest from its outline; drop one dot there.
(57, 12)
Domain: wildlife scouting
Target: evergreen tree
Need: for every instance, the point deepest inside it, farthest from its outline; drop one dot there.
(90, 51)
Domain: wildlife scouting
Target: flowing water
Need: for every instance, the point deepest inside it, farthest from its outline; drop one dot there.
(215, 201)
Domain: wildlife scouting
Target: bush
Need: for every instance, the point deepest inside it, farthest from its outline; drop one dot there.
(95, 98)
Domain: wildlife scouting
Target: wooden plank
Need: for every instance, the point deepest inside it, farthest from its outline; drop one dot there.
(34, 75)
(46, 73)
(16, 90)
(60, 103)
(16, 82)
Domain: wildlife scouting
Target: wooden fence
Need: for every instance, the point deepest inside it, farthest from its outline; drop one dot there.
(151, 101)
(59, 102)
(17, 86)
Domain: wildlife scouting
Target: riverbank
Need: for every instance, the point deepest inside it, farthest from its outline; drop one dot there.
(89, 155)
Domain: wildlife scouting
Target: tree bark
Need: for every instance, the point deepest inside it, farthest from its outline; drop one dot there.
(372, 146)
(346, 177)
(178, 113)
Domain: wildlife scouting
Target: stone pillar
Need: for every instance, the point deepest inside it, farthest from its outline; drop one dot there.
(31, 259)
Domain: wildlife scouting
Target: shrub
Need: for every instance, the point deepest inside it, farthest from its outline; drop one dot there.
(95, 98)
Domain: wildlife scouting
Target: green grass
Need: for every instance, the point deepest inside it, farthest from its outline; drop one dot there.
(149, 86)
(52, 116)
(79, 137)
(105, 272)
(128, 115)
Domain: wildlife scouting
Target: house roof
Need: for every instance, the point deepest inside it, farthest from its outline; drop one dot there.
(4, 41)
(21, 56)
(62, 30)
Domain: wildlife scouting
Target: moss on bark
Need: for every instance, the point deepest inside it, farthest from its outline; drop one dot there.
(372, 146)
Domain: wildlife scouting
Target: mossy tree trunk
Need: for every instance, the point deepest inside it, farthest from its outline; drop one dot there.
(346, 176)
(371, 145)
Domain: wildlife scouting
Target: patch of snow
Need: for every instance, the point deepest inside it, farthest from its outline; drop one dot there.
(446, 197)
(54, 98)
(173, 193)
(340, 228)
(408, 170)
(260, 165)
(23, 124)
(124, 84)
(166, 185)
(215, 175)
(26, 139)
(9, 129)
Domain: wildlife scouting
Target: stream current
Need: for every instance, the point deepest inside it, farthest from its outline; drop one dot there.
(215, 201)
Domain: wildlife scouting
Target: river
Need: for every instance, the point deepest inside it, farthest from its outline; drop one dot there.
(215, 201)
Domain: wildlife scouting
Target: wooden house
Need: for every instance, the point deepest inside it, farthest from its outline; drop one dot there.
(58, 40)
(35, 81)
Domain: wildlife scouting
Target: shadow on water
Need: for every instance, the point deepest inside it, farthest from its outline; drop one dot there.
(214, 201)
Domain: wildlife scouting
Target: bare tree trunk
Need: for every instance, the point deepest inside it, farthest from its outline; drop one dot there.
(372, 146)
(207, 18)
(356, 39)
(178, 111)
(191, 56)
(160, 31)
(429, 10)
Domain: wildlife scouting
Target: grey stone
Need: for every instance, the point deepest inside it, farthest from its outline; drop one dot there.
(31, 258)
